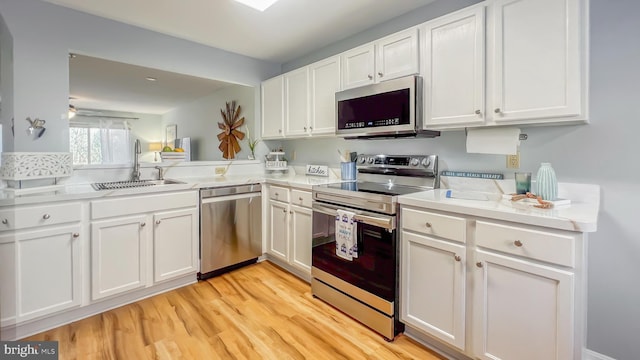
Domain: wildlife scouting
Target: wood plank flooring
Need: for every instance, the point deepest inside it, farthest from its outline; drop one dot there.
(257, 312)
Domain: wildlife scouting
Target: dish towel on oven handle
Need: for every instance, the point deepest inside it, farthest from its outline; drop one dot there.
(346, 235)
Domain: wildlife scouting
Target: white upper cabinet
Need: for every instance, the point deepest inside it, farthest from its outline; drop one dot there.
(358, 67)
(536, 60)
(272, 98)
(391, 57)
(397, 55)
(453, 59)
(325, 82)
(296, 105)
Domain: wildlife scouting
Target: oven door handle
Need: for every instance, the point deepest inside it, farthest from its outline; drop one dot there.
(385, 222)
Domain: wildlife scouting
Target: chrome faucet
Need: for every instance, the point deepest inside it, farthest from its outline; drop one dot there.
(137, 150)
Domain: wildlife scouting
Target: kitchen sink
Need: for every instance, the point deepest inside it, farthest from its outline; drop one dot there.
(127, 184)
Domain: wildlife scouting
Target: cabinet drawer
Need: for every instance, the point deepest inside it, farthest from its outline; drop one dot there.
(539, 244)
(279, 193)
(301, 198)
(138, 204)
(444, 226)
(24, 217)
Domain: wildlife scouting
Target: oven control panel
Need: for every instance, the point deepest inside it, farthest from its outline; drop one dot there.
(428, 163)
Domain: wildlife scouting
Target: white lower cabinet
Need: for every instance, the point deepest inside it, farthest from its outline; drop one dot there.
(139, 241)
(433, 283)
(300, 231)
(175, 243)
(290, 225)
(523, 310)
(48, 271)
(40, 260)
(7, 280)
(279, 230)
(118, 255)
(504, 291)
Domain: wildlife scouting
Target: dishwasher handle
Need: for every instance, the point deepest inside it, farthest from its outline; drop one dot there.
(209, 200)
(229, 190)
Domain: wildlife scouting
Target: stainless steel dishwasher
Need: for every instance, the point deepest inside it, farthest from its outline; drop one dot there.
(230, 228)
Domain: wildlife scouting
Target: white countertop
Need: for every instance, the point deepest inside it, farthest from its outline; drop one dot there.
(581, 215)
(85, 191)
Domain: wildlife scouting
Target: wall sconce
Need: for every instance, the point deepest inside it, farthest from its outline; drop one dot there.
(155, 147)
(72, 111)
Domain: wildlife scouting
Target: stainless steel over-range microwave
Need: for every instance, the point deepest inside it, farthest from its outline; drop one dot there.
(388, 109)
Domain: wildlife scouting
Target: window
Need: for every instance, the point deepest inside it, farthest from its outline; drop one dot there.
(99, 141)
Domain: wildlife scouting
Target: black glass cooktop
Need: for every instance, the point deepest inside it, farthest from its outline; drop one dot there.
(375, 188)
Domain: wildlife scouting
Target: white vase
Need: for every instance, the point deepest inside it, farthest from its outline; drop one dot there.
(546, 182)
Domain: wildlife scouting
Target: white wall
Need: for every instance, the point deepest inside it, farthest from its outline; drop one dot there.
(603, 152)
(199, 120)
(43, 35)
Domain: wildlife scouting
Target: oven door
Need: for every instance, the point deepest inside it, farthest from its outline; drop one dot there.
(374, 270)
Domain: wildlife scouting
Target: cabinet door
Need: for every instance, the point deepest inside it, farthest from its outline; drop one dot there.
(454, 69)
(522, 310)
(433, 287)
(273, 108)
(397, 55)
(279, 230)
(175, 244)
(48, 271)
(7, 280)
(536, 59)
(325, 82)
(358, 66)
(301, 228)
(118, 255)
(296, 90)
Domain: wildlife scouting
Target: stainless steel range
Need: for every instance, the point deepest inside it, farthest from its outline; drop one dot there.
(365, 287)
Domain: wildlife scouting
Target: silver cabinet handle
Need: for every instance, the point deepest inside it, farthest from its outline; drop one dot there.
(478, 112)
(457, 257)
(143, 224)
(380, 74)
(46, 216)
(279, 131)
(276, 194)
(291, 212)
(75, 235)
(497, 111)
(300, 198)
(310, 128)
(428, 224)
(517, 243)
(479, 264)
(5, 221)
(284, 211)
(370, 77)
(158, 222)
(305, 129)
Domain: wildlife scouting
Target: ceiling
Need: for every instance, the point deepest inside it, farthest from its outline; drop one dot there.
(285, 31)
(108, 85)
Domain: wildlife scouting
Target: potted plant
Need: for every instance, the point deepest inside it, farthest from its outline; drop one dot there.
(252, 145)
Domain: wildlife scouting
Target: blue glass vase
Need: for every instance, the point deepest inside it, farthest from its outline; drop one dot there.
(546, 182)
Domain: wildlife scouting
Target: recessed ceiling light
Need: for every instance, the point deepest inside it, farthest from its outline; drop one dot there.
(260, 5)
(151, 78)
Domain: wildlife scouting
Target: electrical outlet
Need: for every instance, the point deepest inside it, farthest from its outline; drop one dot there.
(513, 161)
(219, 170)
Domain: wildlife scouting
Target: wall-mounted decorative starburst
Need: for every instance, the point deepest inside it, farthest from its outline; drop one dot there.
(230, 135)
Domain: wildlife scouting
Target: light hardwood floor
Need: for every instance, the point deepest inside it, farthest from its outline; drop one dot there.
(257, 312)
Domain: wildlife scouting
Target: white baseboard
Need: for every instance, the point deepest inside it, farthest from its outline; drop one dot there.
(592, 355)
